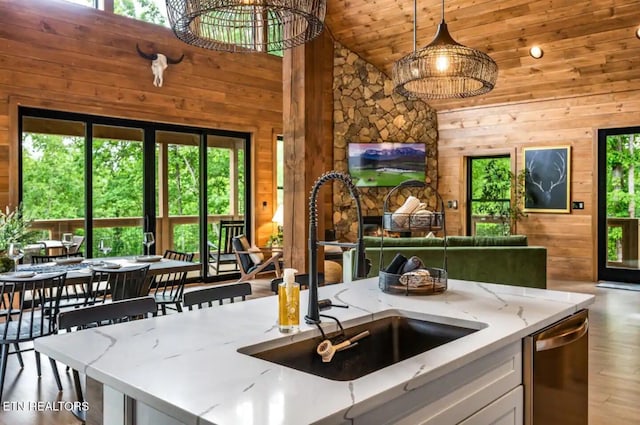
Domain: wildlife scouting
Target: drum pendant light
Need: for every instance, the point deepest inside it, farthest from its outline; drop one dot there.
(246, 25)
(444, 68)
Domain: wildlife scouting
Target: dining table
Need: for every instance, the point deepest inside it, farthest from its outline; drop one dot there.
(80, 269)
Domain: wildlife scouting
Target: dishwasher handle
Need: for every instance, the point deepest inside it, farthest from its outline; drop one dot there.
(553, 338)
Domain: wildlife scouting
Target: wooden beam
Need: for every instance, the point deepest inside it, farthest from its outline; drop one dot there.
(308, 105)
(108, 5)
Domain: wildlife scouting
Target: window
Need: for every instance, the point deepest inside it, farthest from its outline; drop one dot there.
(489, 196)
(89, 3)
(152, 11)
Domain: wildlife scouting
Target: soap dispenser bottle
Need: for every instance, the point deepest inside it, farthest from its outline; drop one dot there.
(289, 303)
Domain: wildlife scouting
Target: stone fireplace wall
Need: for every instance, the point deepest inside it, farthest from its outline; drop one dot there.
(367, 110)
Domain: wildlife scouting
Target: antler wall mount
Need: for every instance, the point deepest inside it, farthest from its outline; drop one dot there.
(159, 63)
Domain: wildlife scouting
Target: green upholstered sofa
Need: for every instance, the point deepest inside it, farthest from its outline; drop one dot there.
(507, 260)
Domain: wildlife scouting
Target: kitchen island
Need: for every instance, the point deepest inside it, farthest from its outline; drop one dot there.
(186, 368)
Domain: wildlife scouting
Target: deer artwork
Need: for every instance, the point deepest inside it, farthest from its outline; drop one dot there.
(546, 170)
(159, 63)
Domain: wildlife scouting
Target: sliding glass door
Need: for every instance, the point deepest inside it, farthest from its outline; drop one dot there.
(107, 181)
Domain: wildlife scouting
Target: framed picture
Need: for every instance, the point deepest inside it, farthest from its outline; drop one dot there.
(386, 164)
(547, 182)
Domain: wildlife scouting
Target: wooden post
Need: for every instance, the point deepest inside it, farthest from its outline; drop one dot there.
(308, 139)
(108, 5)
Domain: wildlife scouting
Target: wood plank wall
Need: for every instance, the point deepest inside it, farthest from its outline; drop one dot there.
(62, 56)
(485, 130)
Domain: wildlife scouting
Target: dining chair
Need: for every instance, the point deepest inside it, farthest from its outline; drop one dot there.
(222, 252)
(206, 297)
(254, 261)
(73, 295)
(177, 255)
(102, 315)
(24, 317)
(118, 284)
(302, 279)
(167, 288)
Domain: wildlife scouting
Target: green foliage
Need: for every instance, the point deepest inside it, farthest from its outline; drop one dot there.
(623, 154)
(144, 10)
(388, 178)
(53, 173)
(184, 175)
(14, 227)
(185, 238)
(491, 229)
(492, 183)
(122, 240)
(218, 173)
(615, 235)
(117, 178)
(276, 239)
(491, 179)
(620, 158)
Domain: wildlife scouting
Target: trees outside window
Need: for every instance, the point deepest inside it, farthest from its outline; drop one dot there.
(623, 156)
(53, 176)
(117, 191)
(495, 196)
(152, 11)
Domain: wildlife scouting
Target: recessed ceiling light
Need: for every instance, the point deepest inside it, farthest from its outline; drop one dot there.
(536, 52)
(638, 32)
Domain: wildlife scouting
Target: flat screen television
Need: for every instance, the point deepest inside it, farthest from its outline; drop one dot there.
(386, 164)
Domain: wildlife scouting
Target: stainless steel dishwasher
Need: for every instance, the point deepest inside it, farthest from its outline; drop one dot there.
(556, 373)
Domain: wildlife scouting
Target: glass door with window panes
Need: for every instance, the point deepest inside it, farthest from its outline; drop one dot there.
(227, 173)
(619, 204)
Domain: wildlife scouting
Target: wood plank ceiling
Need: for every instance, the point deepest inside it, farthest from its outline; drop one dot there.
(589, 45)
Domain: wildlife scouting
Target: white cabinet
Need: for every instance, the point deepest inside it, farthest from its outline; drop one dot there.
(457, 396)
(507, 410)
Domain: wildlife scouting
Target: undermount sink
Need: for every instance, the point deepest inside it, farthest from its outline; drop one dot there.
(394, 336)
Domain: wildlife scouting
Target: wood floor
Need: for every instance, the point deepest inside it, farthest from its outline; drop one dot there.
(614, 354)
(614, 371)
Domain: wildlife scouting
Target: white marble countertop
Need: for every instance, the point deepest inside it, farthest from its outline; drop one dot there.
(187, 365)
